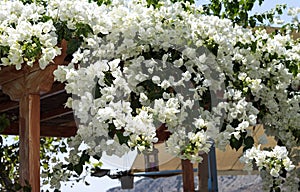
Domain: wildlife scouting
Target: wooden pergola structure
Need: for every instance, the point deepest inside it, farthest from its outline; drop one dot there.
(31, 96)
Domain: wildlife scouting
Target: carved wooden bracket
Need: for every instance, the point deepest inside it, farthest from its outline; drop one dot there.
(30, 80)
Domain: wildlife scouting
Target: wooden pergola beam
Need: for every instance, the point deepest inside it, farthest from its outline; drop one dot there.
(45, 130)
(56, 113)
(56, 90)
(10, 105)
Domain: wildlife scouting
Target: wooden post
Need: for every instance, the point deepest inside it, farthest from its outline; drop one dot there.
(29, 123)
(203, 173)
(187, 176)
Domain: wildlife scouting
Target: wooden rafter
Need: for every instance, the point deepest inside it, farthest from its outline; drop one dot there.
(46, 130)
(10, 105)
(55, 113)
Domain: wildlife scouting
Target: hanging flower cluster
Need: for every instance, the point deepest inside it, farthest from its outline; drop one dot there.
(157, 75)
(173, 75)
(189, 146)
(26, 35)
(138, 67)
(275, 161)
(275, 166)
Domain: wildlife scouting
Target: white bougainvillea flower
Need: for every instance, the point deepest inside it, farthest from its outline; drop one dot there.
(274, 161)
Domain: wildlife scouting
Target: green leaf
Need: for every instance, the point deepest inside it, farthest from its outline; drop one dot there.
(134, 103)
(100, 2)
(122, 139)
(70, 167)
(154, 3)
(4, 50)
(84, 157)
(236, 144)
(111, 130)
(97, 91)
(260, 2)
(73, 45)
(249, 141)
(252, 22)
(45, 166)
(259, 18)
(108, 78)
(78, 169)
(63, 149)
(97, 157)
(83, 29)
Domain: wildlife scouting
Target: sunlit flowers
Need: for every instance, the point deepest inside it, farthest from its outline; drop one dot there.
(275, 161)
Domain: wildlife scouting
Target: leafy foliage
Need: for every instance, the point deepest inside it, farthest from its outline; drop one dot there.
(245, 141)
(239, 11)
(9, 162)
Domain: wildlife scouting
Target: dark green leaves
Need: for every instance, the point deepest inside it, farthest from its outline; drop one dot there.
(153, 91)
(238, 11)
(83, 29)
(246, 142)
(108, 79)
(212, 46)
(236, 143)
(74, 37)
(31, 49)
(293, 67)
(122, 139)
(119, 133)
(100, 2)
(4, 50)
(63, 148)
(73, 45)
(83, 159)
(62, 31)
(154, 3)
(78, 168)
(213, 8)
